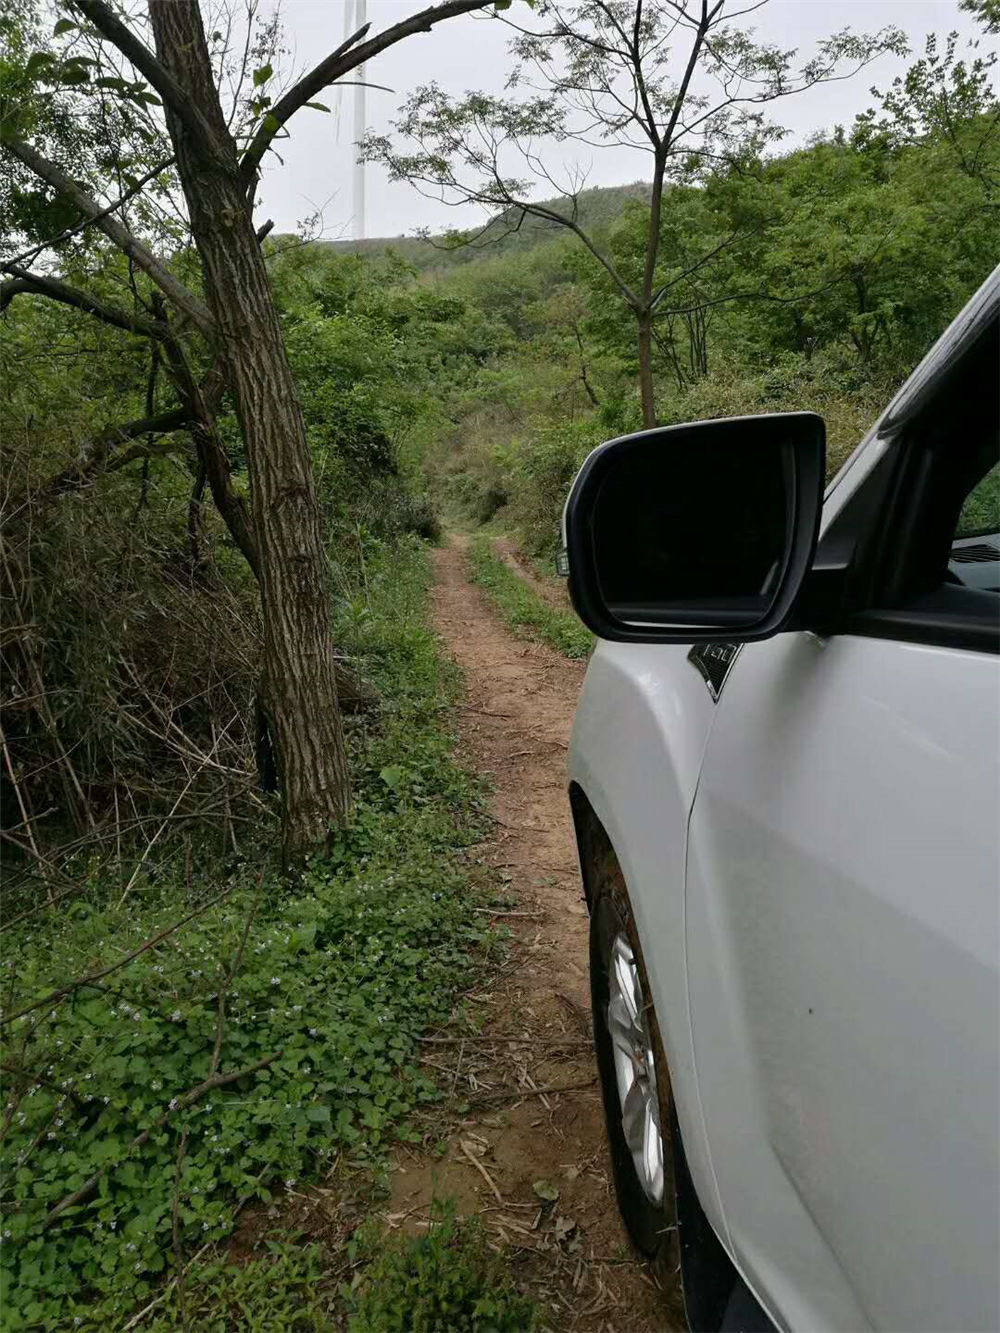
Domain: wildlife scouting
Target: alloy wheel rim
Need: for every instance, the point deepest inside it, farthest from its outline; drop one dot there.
(635, 1070)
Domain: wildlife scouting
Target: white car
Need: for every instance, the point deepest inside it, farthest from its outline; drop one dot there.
(785, 782)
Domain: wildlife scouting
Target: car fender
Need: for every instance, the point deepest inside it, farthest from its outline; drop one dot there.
(638, 740)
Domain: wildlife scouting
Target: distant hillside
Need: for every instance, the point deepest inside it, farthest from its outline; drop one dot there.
(597, 209)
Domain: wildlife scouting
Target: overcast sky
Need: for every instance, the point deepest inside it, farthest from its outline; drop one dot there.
(471, 53)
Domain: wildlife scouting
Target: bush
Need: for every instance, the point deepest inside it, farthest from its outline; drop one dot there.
(130, 666)
(848, 401)
(448, 1281)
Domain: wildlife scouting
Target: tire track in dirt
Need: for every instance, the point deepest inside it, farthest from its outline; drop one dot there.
(572, 1252)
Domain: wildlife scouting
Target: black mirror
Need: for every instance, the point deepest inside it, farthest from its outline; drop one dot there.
(694, 533)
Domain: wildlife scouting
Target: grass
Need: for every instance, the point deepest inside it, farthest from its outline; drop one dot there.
(280, 1291)
(447, 1281)
(339, 976)
(520, 606)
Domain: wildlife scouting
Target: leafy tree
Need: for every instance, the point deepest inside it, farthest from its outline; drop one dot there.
(234, 316)
(598, 72)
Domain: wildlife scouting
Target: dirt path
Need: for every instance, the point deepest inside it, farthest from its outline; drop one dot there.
(570, 1251)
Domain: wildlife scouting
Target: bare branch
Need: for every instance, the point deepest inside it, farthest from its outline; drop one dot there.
(178, 1104)
(29, 255)
(41, 284)
(200, 401)
(346, 57)
(109, 25)
(184, 299)
(53, 997)
(95, 453)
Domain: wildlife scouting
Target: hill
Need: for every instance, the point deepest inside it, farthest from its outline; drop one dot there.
(597, 209)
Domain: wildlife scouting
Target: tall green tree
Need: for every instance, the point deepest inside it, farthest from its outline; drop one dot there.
(232, 316)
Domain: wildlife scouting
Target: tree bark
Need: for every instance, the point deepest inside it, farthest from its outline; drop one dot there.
(298, 645)
(644, 324)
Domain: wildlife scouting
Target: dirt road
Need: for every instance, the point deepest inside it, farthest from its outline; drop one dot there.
(516, 1144)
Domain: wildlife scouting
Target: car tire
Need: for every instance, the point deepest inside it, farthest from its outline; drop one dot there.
(646, 1197)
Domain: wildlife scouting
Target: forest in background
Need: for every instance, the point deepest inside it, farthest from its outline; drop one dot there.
(459, 382)
(822, 277)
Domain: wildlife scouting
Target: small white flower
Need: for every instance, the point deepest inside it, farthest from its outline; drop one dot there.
(173, 1103)
(176, 1016)
(275, 981)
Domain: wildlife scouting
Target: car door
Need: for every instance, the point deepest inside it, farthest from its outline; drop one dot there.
(842, 928)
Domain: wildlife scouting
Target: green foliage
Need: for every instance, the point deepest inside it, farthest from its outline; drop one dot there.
(813, 279)
(279, 1292)
(447, 1281)
(339, 977)
(502, 239)
(981, 510)
(522, 608)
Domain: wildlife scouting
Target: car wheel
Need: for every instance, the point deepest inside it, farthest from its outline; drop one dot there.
(635, 1083)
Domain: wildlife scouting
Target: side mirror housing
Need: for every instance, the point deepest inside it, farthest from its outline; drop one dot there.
(689, 534)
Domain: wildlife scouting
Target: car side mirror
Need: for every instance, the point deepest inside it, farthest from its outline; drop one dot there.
(689, 534)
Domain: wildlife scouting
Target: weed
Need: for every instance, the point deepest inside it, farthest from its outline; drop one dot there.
(279, 1292)
(521, 607)
(447, 1281)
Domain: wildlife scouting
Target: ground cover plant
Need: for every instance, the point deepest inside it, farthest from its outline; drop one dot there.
(448, 1280)
(238, 1057)
(522, 608)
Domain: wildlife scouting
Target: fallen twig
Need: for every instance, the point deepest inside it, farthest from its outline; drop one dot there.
(514, 1094)
(499, 911)
(61, 992)
(159, 1299)
(471, 1157)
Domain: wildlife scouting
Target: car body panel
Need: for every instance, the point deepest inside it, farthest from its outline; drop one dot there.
(638, 738)
(842, 906)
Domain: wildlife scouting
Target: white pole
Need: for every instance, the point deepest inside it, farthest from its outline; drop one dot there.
(360, 18)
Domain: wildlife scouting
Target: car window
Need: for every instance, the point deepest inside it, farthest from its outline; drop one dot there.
(980, 514)
(974, 561)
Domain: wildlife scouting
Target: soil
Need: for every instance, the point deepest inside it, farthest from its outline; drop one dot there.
(532, 1163)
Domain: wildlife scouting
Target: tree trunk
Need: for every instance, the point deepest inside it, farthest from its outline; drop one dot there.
(298, 645)
(644, 323)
